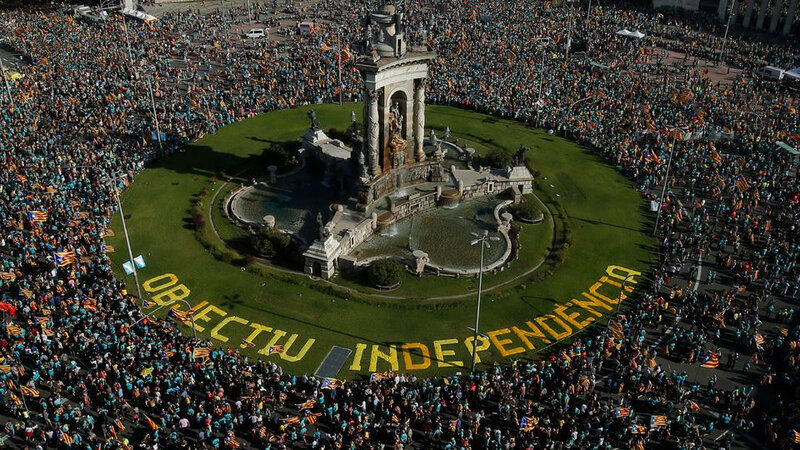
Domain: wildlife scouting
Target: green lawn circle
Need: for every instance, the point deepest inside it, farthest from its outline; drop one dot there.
(604, 217)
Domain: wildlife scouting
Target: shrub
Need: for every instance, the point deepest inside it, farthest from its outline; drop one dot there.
(527, 209)
(199, 221)
(270, 242)
(498, 157)
(384, 272)
(277, 154)
(262, 246)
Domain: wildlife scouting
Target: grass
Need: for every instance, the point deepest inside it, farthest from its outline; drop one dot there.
(596, 211)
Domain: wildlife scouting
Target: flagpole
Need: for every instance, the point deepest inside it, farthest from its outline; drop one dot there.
(127, 238)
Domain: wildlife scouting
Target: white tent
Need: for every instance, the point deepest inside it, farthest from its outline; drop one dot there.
(794, 74)
(139, 15)
(630, 34)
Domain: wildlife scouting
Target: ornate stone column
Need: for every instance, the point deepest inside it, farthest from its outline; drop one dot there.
(748, 14)
(722, 9)
(419, 119)
(373, 131)
(789, 21)
(777, 10)
(762, 12)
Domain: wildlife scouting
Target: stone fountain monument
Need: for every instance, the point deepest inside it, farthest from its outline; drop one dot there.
(394, 105)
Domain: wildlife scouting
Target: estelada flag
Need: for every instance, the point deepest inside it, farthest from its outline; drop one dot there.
(37, 216)
(29, 391)
(275, 349)
(65, 438)
(201, 352)
(247, 344)
(658, 421)
(710, 361)
(306, 405)
(64, 258)
(5, 368)
(330, 383)
(312, 417)
(622, 412)
(290, 420)
(13, 330)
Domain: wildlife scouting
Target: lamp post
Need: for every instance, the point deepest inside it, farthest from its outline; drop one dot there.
(622, 292)
(125, 28)
(112, 179)
(339, 45)
(170, 303)
(727, 27)
(666, 179)
(8, 87)
(484, 241)
(541, 80)
(127, 238)
(155, 114)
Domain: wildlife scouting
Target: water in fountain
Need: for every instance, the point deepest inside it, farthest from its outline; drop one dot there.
(401, 194)
(294, 201)
(443, 234)
(454, 205)
(390, 231)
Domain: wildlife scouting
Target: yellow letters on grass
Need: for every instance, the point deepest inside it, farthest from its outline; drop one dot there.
(390, 357)
(500, 344)
(557, 335)
(422, 349)
(169, 280)
(483, 345)
(356, 365)
(216, 331)
(442, 353)
(203, 315)
(534, 332)
(572, 317)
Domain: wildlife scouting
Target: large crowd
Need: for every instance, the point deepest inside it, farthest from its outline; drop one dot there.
(80, 369)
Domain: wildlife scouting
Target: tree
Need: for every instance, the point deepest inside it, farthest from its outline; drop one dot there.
(498, 157)
(262, 245)
(384, 272)
(269, 242)
(527, 209)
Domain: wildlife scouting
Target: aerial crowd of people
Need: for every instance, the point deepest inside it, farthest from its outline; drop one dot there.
(80, 369)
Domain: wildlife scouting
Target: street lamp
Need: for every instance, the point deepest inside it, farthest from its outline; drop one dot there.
(155, 114)
(112, 179)
(727, 27)
(170, 303)
(8, 88)
(666, 178)
(484, 241)
(127, 239)
(622, 292)
(541, 79)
